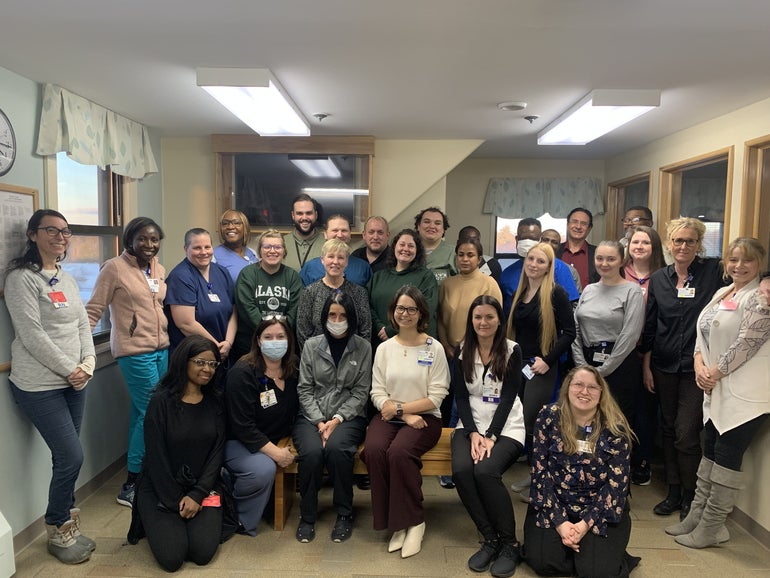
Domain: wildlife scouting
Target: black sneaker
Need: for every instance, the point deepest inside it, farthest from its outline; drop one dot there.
(481, 560)
(127, 494)
(343, 528)
(305, 532)
(507, 560)
(446, 482)
(641, 475)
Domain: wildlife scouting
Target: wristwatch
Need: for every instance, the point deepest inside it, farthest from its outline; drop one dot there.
(399, 410)
(491, 436)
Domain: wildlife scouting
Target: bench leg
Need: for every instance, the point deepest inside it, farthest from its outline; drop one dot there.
(285, 488)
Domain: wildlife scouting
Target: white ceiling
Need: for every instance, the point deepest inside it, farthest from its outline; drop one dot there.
(403, 69)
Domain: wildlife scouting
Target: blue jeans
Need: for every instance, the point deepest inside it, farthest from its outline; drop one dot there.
(57, 415)
(141, 372)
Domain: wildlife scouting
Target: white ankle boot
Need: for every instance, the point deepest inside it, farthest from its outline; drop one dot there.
(84, 540)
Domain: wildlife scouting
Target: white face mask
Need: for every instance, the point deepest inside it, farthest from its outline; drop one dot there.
(274, 349)
(524, 245)
(337, 328)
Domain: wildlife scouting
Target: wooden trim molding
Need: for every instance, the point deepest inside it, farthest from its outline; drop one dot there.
(616, 200)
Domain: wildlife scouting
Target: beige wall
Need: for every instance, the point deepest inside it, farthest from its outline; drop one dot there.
(467, 186)
(732, 129)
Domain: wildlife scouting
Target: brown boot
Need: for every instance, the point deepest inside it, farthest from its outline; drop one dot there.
(84, 540)
(63, 546)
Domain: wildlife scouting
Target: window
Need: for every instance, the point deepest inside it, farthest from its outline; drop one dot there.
(622, 195)
(91, 200)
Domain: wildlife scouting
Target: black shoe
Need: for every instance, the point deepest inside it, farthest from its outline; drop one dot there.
(667, 507)
(343, 528)
(364, 482)
(685, 509)
(481, 560)
(507, 560)
(305, 532)
(641, 475)
(446, 482)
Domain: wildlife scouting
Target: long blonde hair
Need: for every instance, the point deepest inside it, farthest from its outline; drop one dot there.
(608, 413)
(547, 316)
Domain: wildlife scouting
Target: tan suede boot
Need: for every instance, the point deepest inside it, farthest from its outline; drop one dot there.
(63, 546)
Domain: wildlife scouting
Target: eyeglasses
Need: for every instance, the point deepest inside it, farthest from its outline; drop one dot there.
(235, 222)
(273, 317)
(634, 221)
(688, 242)
(581, 223)
(53, 231)
(201, 362)
(272, 248)
(591, 388)
(400, 309)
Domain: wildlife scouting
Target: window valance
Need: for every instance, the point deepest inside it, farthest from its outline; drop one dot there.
(93, 135)
(514, 198)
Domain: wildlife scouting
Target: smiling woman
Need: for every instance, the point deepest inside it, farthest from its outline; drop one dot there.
(234, 253)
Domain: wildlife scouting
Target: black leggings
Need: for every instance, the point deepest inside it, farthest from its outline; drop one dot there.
(727, 449)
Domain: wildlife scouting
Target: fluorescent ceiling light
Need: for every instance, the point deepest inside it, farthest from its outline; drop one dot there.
(596, 114)
(320, 191)
(316, 166)
(256, 97)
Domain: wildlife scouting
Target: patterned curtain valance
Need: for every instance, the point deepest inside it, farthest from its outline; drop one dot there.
(513, 198)
(93, 135)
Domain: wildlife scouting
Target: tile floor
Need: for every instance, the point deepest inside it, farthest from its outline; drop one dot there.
(450, 539)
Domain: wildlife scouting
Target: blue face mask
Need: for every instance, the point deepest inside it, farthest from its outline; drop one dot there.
(274, 349)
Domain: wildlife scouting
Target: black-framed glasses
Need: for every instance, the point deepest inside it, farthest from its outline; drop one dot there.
(66, 232)
(201, 362)
(689, 242)
(235, 222)
(400, 309)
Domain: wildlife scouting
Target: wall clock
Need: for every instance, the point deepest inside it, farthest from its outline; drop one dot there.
(7, 144)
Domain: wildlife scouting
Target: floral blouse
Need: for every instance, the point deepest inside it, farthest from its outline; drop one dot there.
(591, 487)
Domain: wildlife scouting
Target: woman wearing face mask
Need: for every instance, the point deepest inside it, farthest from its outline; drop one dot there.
(133, 286)
(234, 253)
(334, 256)
(264, 289)
(261, 401)
(334, 380)
(201, 296)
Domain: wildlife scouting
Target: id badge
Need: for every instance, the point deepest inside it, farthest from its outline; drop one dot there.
(527, 371)
(213, 297)
(490, 393)
(154, 285)
(728, 305)
(686, 293)
(59, 299)
(600, 356)
(426, 357)
(267, 398)
(212, 501)
(584, 447)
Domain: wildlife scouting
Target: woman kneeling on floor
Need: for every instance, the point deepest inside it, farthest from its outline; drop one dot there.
(490, 434)
(179, 492)
(577, 521)
(335, 375)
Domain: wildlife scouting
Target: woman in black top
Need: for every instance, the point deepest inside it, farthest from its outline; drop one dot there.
(261, 399)
(675, 297)
(541, 322)
(178, 495)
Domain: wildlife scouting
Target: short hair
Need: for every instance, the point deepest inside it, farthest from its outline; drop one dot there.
(377, 218)
(304, 197)
(470, 241)
(339, 216)
(529, 222)
(346, 302)
(419, 216)
(246, 226)
(582, 210)
(194, 232)
(751, 249)
(676, 225)
(466, 231)
(271, 234)
(419, 300)
(335, 246)
(646, 210)
(135, 225)
(419, 257)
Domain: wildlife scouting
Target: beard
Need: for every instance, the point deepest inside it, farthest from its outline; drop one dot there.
(298, 227)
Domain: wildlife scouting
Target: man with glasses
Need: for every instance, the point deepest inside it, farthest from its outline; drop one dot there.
(357, 271)
(576, 251)
(304, 242)
(634, 217)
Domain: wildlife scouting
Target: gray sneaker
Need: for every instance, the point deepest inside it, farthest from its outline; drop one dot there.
(127, 495)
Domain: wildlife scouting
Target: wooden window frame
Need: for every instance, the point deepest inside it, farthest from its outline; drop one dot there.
(616, 201)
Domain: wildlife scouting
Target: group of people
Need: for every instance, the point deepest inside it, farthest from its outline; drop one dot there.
(236, 350)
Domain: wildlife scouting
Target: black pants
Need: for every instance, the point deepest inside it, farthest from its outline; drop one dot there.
(534, 394)
(727, 449)
(625, 382)
(337, 456)
(174, 539)
(481, 488)
(599, 556)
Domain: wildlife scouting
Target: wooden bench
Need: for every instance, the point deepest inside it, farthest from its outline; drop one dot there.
(437, 462)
